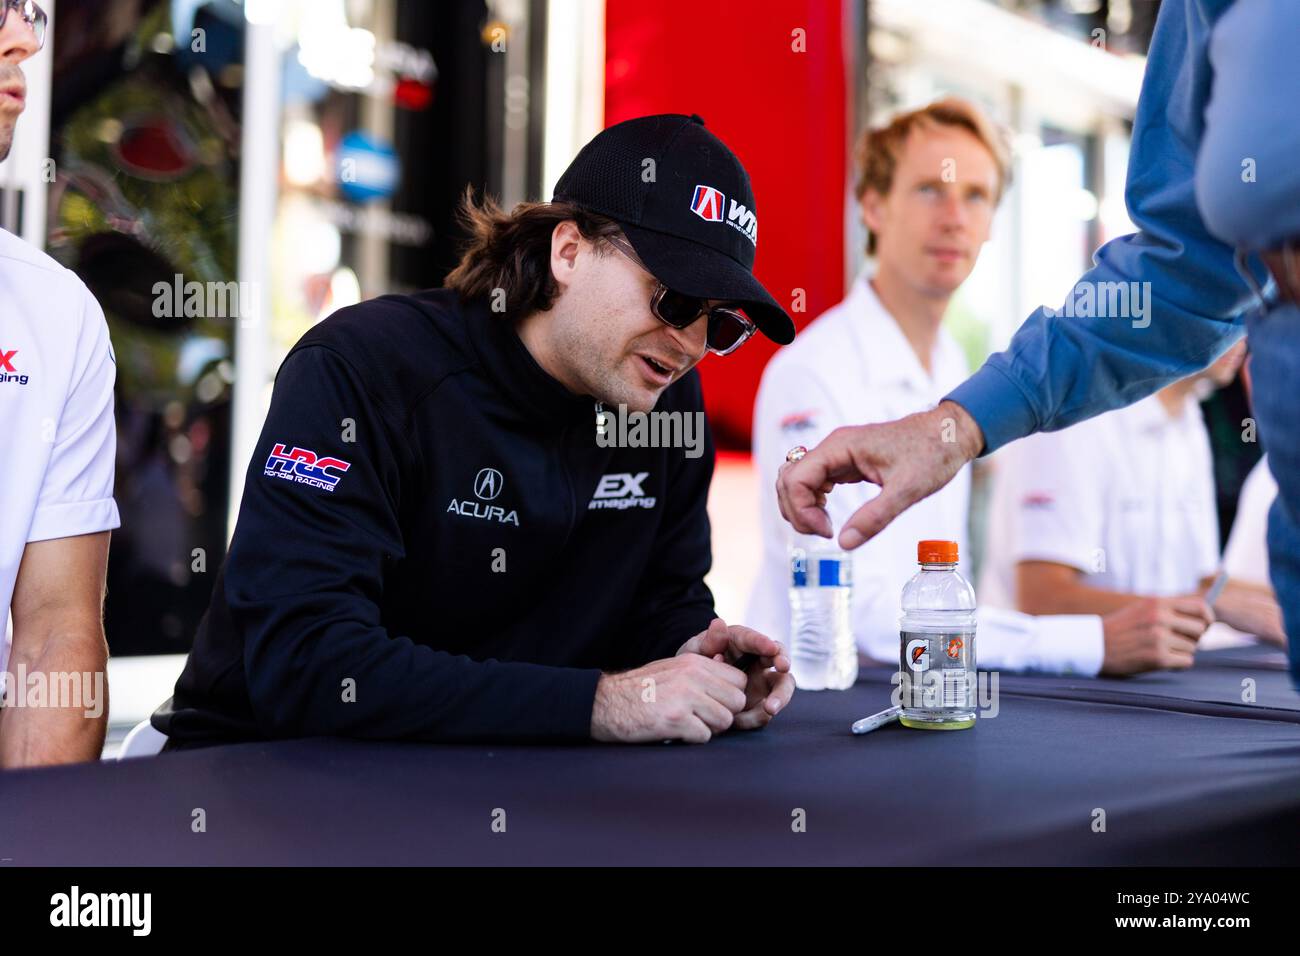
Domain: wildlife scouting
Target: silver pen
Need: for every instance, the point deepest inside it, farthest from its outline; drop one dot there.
(1212, 595)
(867, 724)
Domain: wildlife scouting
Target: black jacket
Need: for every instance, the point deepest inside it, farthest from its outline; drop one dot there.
(415, 554)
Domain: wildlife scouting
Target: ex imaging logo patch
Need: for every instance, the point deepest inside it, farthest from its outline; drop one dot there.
(9, 369)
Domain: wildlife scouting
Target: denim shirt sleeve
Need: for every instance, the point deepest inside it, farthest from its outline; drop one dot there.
(1247, 176)
(1184, 295)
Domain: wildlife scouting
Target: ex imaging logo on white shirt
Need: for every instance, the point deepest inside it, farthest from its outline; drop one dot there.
(9, 368)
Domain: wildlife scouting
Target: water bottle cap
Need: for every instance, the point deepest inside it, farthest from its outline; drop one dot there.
(936, 552)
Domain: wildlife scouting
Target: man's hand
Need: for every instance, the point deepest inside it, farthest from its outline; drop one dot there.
(1252, 609)
(688, 697)
(770, 684)
(1154, 633)
(909, 459)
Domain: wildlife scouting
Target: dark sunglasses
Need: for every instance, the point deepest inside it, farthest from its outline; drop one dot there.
(32, 15)
(728, 328)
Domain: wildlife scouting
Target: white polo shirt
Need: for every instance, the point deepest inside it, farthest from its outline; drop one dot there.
(1245, 556)
(56, 411)
(1126, 497)
(852, 366)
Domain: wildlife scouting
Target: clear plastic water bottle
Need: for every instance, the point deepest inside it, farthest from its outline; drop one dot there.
(823, 654)
(937, 648)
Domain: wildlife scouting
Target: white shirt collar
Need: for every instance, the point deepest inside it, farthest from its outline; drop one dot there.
(885, 351)
(1150, 414)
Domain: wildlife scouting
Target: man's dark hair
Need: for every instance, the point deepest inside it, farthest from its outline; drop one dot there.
(511, 251)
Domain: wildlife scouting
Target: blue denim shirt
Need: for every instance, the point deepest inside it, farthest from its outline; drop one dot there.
(1242, 120)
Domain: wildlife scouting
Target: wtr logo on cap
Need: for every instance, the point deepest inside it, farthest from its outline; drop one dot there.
(744, 220)
(708, 203)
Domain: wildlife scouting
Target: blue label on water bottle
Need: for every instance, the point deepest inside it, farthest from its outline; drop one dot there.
(799, 570)
(828, 572)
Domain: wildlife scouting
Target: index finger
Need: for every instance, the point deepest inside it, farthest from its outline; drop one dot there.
(746, 640)
(721, 670)
(780, 694)
(712, 641)
(1193, 606)
(798, 494)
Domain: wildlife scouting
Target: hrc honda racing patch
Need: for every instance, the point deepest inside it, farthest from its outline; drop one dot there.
(799, 421)
(303, 466)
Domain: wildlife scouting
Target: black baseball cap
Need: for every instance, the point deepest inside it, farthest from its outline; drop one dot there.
(689, 214)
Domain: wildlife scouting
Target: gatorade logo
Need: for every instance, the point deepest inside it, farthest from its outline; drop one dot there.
(918, 654)
(954, 647)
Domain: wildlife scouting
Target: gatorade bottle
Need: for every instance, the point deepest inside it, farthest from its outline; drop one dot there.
(937, 650)
(823, 654)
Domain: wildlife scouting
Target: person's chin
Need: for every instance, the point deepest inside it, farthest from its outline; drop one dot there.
(642, 388)
(947, 278)
(633, 396)
(644, 400)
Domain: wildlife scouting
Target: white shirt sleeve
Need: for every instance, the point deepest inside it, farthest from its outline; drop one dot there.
(1056, 506)
(76, 494)
(1050, 643)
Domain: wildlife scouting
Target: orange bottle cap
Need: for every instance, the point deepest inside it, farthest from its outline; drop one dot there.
(936, 552)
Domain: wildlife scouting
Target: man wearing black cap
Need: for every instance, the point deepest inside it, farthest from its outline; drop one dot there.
(426, 547)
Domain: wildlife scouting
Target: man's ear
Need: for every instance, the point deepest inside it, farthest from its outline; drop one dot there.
(871, 204)
(565, 242)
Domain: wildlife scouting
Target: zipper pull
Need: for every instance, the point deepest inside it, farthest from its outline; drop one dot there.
(602, 419)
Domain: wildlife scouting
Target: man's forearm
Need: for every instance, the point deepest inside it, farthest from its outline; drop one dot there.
(56, 708)
(966, 432)
(1238, 585)
(1070, 599)
(1165, 299)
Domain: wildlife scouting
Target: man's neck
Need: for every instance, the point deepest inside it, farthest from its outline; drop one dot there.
(532, 331)
(917, 314)
(1174, 397)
